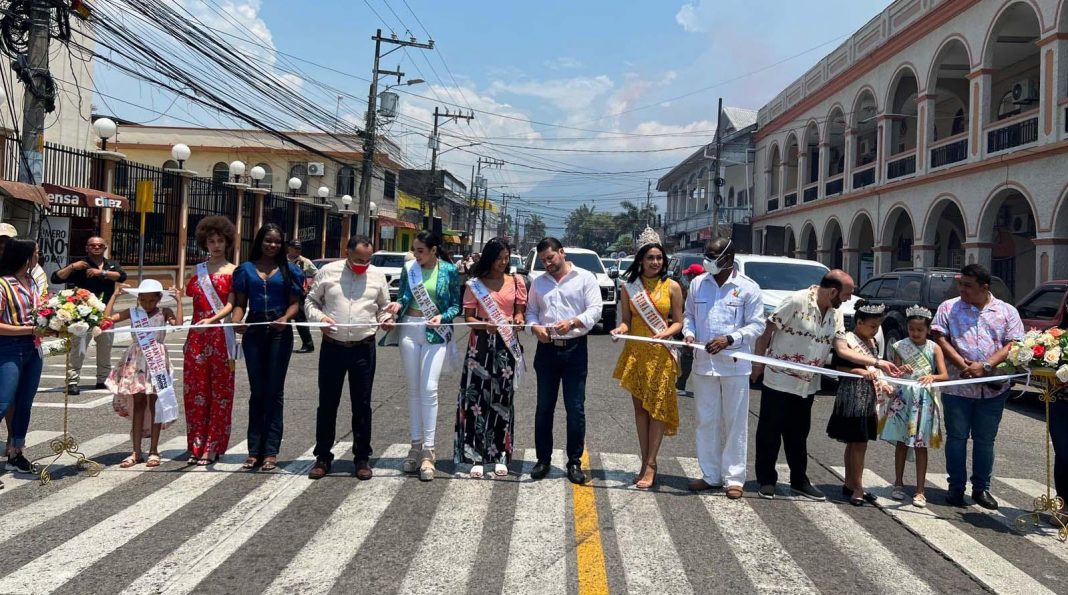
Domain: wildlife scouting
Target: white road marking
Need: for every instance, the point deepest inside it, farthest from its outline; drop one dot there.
(33, 438)
(770, 568)
(537, 555)
(650, 561)
(90, 449)
(98, 402)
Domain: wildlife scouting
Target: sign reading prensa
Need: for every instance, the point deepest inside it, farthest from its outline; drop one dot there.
(84, 197)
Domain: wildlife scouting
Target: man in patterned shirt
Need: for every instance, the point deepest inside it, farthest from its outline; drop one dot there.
(975, 332)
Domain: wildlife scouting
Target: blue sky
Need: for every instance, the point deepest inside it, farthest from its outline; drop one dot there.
(595, 75)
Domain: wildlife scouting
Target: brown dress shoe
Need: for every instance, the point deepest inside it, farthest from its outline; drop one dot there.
(319, 470)
(700, 485)
(363, 471)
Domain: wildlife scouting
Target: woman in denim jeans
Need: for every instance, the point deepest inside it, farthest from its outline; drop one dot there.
(20, 357)
(268, 288)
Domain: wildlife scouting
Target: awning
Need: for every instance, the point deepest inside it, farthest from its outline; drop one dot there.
(391, 222)
(84, 197)
(22, 191)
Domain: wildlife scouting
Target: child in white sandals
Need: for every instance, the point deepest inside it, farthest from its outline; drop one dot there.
(132, 382)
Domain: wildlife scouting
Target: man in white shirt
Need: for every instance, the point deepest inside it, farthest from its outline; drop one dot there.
(563, 305)
(347, 291)
(724, 313)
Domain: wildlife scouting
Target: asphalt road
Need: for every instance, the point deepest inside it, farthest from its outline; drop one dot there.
(176, 529)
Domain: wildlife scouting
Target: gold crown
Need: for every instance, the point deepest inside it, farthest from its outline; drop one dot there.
(649, 236)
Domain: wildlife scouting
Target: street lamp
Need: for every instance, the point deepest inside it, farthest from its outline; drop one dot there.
(346, 202)
(180, 153)
(105, 128)
(237, 169)
(323, 193)
(294, 185)
(257, 173)
(372, 208)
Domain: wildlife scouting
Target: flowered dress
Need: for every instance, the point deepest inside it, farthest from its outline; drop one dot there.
(130, 377)
(207, 377)
(914, 414)
(646, 370)
(485, 406)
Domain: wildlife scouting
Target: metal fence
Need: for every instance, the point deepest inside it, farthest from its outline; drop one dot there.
(206, 197)
(334, 225)
(310, 232)
(281, 211)
(248, 214)
(161, 225)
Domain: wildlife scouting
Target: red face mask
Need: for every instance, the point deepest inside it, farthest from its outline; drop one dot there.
(358, 269)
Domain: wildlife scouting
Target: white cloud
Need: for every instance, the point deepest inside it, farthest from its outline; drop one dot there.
(563, 63)
(569, 95)
(688, 16)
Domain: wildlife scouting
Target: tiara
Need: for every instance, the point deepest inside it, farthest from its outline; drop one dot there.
(649, 236)
(875, 309)
(918, 311)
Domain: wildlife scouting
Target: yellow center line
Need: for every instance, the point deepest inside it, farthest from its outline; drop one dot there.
(592, 577)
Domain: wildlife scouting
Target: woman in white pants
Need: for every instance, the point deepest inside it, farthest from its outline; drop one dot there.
(428, 300)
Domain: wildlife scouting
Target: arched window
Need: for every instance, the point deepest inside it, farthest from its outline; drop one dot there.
(220, 172)
(346, 181)
(268, 178)
(299, 171)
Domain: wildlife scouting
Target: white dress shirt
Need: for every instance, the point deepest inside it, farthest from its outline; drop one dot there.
(735, 309)
(576, 295)
(348, 298)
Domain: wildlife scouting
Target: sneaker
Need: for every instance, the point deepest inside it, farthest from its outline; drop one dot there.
(319, 470)
(919, 501)
(18, 464)
(767, 492)
(72, 389)
(808, 491)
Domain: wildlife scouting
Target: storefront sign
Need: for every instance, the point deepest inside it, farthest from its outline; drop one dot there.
(386, 232)
(55, 247)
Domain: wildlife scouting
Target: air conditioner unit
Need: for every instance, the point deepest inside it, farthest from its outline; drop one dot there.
(316, 169)
(1024, 92)
(1022, 224)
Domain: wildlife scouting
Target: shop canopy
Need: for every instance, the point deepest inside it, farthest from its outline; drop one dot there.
(385, 221)
(22, 191)
(74, 196)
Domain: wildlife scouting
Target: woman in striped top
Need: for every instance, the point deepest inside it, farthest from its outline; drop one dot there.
(20, 357)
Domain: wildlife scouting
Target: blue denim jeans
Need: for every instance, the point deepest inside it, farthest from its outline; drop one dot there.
(565, 365)
(267, 352)
(20, 374)
(979, 420)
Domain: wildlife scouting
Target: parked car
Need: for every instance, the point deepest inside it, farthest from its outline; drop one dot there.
(1043, 308)
(584, 259)
(392, 265)
(319, 262)
(904, 288)
(679, 262)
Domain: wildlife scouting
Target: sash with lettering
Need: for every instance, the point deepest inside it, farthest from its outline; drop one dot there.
(156, 361)
(430, 310)
(504, 326)
(208, 289)
(640, 298)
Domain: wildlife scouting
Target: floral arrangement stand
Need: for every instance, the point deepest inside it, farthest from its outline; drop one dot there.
(1048, 382)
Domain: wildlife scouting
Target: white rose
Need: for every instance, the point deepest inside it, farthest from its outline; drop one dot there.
(1029, 342)
(78, 329)
(1025, 357)
(42, 321)
(63, 316)
(1062, 373)
(84, 310)
(1052, 357)
(96, 303)
(56, 324)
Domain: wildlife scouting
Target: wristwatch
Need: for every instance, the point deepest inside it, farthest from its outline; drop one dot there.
(730, 340)
(988, 367)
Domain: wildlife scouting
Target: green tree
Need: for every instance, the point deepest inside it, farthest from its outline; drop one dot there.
(533, 229)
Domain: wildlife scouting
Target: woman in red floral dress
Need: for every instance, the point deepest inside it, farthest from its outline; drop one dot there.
(209, 353)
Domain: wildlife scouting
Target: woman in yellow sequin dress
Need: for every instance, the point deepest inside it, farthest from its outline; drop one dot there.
(647, 370)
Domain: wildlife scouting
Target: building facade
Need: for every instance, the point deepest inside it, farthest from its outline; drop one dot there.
(691, 190)
(444, 196)
(935, 136)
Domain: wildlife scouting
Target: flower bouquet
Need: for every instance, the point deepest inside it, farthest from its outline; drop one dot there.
(1042, 352)
(71, 313)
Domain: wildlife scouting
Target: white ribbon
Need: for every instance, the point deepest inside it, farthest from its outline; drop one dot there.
(156, 360)
(216, 303)
(640, 298)
(504, 328)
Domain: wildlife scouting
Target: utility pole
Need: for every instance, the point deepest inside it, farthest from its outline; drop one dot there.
(481, 182)
(435, 144)
(648, 203)
(515, 238)
(717, 179)
(503, 225)
(32, 70)
(367, 171)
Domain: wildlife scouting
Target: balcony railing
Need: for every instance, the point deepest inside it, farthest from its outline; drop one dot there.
(901, 166)
(789, 200)
(950, 150)
(834, 186)
(1019, 131)
(864, 176)
(811, 192)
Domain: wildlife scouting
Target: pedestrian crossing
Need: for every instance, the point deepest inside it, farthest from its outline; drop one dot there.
(82, 527)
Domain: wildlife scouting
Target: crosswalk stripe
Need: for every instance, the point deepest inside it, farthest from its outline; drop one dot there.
(80, 552)
(33, 438)
(89, 448)
(451, 541)
(317, 566)
(1026, 486)
(97, 402)
(972, 556)
(199, 556)
(650, 561)
(537, 554)
(62, 502)
(766, 562)
(1042, 538)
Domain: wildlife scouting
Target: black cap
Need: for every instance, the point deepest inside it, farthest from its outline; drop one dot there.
(295, 244)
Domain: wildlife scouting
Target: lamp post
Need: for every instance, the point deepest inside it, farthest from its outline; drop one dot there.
(237, 169)
(105, 128)
(346, 203)
(294, 184)
(323, 193)
(180, 152)
(372, 210)
(257, 173)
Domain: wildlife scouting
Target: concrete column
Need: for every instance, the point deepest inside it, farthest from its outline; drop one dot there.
(978, 252)
(923, 256)
(850, 159)
(104, 163)
(1051, 259)
(851, 262)
(925, 130)
(1051, 74)
(256, 195)
(782, 182)
(322, 248)
(802, 167)
(239, 197)
(882, 142)
(980, 82)
(183, 178)
(821, 175)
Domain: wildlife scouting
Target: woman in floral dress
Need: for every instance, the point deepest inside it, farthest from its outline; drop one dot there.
(485, 409)
(209, 369)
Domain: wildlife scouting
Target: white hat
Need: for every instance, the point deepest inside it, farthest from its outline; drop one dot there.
(6, 229)
(146, 286)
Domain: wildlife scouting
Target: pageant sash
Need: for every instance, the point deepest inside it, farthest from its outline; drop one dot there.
(216, 303)
(640, 298)
(156, 360)
(504, 326)
(427, 305)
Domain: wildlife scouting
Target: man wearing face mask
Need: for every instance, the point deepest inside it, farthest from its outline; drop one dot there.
(348, 291)
(724, 313)
(802, 330)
